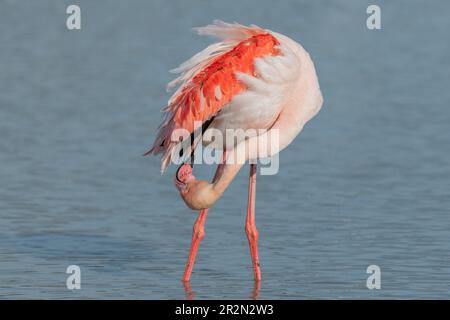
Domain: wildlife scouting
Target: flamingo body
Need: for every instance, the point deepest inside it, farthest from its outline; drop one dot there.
(252, 79)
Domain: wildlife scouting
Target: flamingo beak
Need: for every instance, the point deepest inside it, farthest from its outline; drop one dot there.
(183, 177)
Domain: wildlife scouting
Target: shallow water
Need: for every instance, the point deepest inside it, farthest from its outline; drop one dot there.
(367, 182)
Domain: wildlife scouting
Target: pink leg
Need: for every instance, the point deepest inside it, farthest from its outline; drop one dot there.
(250, 226)
(256, 289)
(198, 232)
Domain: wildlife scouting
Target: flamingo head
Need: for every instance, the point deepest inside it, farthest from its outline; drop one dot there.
(196, 193)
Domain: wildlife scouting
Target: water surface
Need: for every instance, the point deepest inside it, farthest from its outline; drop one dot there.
(367, 181)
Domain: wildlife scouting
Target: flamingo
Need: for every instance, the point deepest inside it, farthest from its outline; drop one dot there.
(253, 78)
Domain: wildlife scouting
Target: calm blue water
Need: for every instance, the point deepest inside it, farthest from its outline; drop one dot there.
(367, 182)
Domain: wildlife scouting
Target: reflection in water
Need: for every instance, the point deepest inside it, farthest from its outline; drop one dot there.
(256, 288)
(190, 294)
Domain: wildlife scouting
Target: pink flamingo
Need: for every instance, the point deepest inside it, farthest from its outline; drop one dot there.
(252, 79)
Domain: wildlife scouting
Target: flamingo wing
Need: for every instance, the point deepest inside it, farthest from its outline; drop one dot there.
(222, 81)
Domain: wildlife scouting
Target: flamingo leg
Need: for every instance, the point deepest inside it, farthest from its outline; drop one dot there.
(250, 226)
(198, 231)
